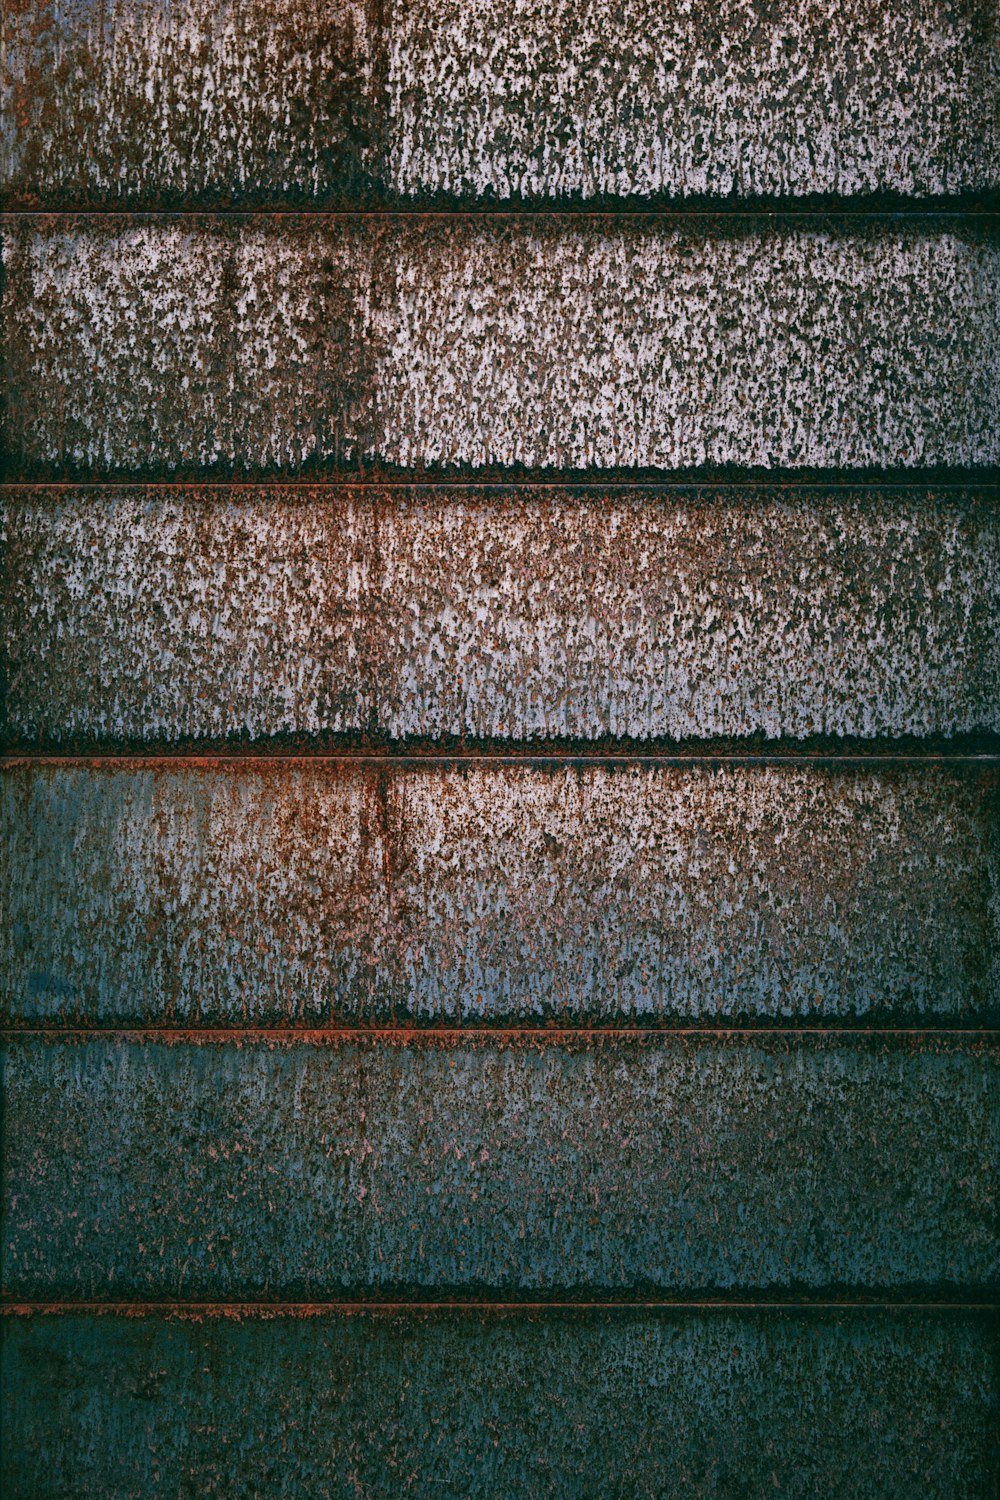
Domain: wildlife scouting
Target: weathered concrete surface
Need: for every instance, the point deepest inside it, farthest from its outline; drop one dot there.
(573, 347)
(137, 1169)
(875, 1405)
(138, 615)
(163, 614)
(272, 894)
(541, 99)
(556, 344)
(153, 101)
(176, 101)
(187, 342)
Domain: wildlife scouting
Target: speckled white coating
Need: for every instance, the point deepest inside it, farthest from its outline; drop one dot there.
(563, 345)
(635, 347)
(518, 613)
(547, 98)
(141, 101)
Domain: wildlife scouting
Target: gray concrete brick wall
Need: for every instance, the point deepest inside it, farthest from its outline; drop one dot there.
(555, 345)
(499, 885)
(144, 101)
(521, 613)
(852, 1404)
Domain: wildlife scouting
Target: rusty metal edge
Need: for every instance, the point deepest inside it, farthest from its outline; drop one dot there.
(978, 485)
(143, 760)
(870, 208)
(194, 1309)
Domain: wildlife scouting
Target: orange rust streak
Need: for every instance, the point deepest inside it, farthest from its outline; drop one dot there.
(318, 1309)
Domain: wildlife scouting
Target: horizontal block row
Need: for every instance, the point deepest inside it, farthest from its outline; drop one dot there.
(272, 894)
(557, 344)
(720, 1404)
(138, 1168)
(269, 101)
(138, 615)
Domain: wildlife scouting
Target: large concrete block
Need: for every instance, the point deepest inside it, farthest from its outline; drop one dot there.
(274, 894)
(621, 97)
(181, 342)
(564, 1403)
(176, 101)
(518, 1166)
(182, 101)
(636, 346)
(514, 342)
(155, 616)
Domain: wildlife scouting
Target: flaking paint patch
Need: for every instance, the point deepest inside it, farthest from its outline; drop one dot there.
(632, 347)
(164, 344)
(854, 1404)
(563, 344)
(276, 895)
(303, 1171)
(187, 615)
(144, 616)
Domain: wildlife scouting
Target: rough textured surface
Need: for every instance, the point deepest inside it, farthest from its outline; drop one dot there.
(546, 97)
(164, 614)
(196, 342)
(152, 1169)
(273, 894)
(556, 344)
(182, 101)
(151, 615)
(722, 1405)
(576, 1126)
(573, 347)
(179, 101)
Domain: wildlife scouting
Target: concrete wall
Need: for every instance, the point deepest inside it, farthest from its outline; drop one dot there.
(543, 343)
(172, 101)
(499, 859)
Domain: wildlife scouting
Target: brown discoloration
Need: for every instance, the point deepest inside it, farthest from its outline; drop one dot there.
(311, 894)
(480, 1165)
(207, 611)
(204, 343)
(177, 102)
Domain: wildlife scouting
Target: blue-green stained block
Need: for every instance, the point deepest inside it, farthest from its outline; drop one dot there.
(869, 1405)
(659, 1164)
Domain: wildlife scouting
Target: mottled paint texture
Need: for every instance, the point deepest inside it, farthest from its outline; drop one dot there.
(302, 101)
(460, 1158)
(720, 1405)
(555, 344)
(277, 894)
(151, 101)
(148, 1169)
(541, 98)
(148, 616)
